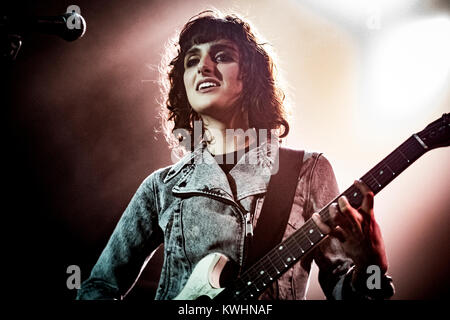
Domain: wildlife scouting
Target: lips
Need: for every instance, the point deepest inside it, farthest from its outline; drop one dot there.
(206, 84)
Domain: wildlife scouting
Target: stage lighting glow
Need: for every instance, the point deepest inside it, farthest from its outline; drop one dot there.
(408, 69)
(355, 10)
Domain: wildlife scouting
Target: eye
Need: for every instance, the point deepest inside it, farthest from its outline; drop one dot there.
(223, 57)
(191, 62)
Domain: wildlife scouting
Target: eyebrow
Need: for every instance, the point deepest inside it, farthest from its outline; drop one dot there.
(216, 47)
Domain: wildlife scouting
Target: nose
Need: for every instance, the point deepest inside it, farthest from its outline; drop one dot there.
(205, 65)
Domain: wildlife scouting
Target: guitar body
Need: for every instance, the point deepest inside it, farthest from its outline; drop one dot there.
(204, 281)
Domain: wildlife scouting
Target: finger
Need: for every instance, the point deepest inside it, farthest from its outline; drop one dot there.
(367, 203)
(333, 212)
(341, 217)
(339, 233)
(348, 211)
(324, 228)
(362, 186)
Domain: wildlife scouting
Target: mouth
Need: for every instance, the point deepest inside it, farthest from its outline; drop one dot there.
(207, 84)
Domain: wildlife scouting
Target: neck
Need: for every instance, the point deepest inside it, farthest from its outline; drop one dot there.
(227, 136)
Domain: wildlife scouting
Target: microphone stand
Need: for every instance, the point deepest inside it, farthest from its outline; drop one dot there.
(70, 26)
(11, 42)
(10, 46)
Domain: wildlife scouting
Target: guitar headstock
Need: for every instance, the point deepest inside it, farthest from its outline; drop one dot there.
(437, 133)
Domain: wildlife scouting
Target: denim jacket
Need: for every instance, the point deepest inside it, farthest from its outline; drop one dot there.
(195, 209)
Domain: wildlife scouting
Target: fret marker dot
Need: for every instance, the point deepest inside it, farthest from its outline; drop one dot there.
(311, 231)
(355, 194)
(249, 283)
(381, 172)
(280, 248)
(262, 272)
(288, 259)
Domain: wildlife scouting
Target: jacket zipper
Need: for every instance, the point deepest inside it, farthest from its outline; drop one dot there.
(248, 233)
(248, 225)
(245, 218)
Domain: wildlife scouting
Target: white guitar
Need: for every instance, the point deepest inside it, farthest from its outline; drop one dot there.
(206, 278)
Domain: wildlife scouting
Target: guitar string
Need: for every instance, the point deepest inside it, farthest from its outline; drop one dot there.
(408, 145)
(260, 279)
(297, 239)
(394, 157)
(309, 223)
(254, 272)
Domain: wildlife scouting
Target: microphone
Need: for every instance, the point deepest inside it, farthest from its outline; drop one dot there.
(69, 26)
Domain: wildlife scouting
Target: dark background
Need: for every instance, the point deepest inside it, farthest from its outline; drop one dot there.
(79, 139)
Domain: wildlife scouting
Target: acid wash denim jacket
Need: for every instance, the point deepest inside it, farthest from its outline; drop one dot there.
(195, 209)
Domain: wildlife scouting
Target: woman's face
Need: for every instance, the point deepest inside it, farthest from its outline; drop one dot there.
(211, 77)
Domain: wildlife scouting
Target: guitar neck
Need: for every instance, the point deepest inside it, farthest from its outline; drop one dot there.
(276, 262)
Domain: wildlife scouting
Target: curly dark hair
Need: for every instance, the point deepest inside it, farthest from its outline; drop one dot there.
(261, 94)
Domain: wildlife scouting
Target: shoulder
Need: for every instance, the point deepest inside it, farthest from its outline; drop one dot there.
(165, 175)
(320, 175)
(315, 162)
(317, 174)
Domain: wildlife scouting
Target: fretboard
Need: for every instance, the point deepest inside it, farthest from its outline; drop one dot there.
(277, 261)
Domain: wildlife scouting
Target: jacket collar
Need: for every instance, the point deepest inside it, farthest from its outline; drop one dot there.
(202, 175)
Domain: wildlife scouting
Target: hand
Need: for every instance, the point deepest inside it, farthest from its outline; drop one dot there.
(357, 230)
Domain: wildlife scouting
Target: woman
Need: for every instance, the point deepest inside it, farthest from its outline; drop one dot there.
(223, 80)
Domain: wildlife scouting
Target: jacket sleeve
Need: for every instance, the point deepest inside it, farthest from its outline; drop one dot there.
(329, 256)
(136, 235)
(335, 267)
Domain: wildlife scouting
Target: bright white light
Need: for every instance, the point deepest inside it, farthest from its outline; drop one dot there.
(409, 68)
(355, 10)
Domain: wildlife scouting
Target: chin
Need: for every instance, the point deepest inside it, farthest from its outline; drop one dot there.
(213, 107)
(207, 108)
(201, 109)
